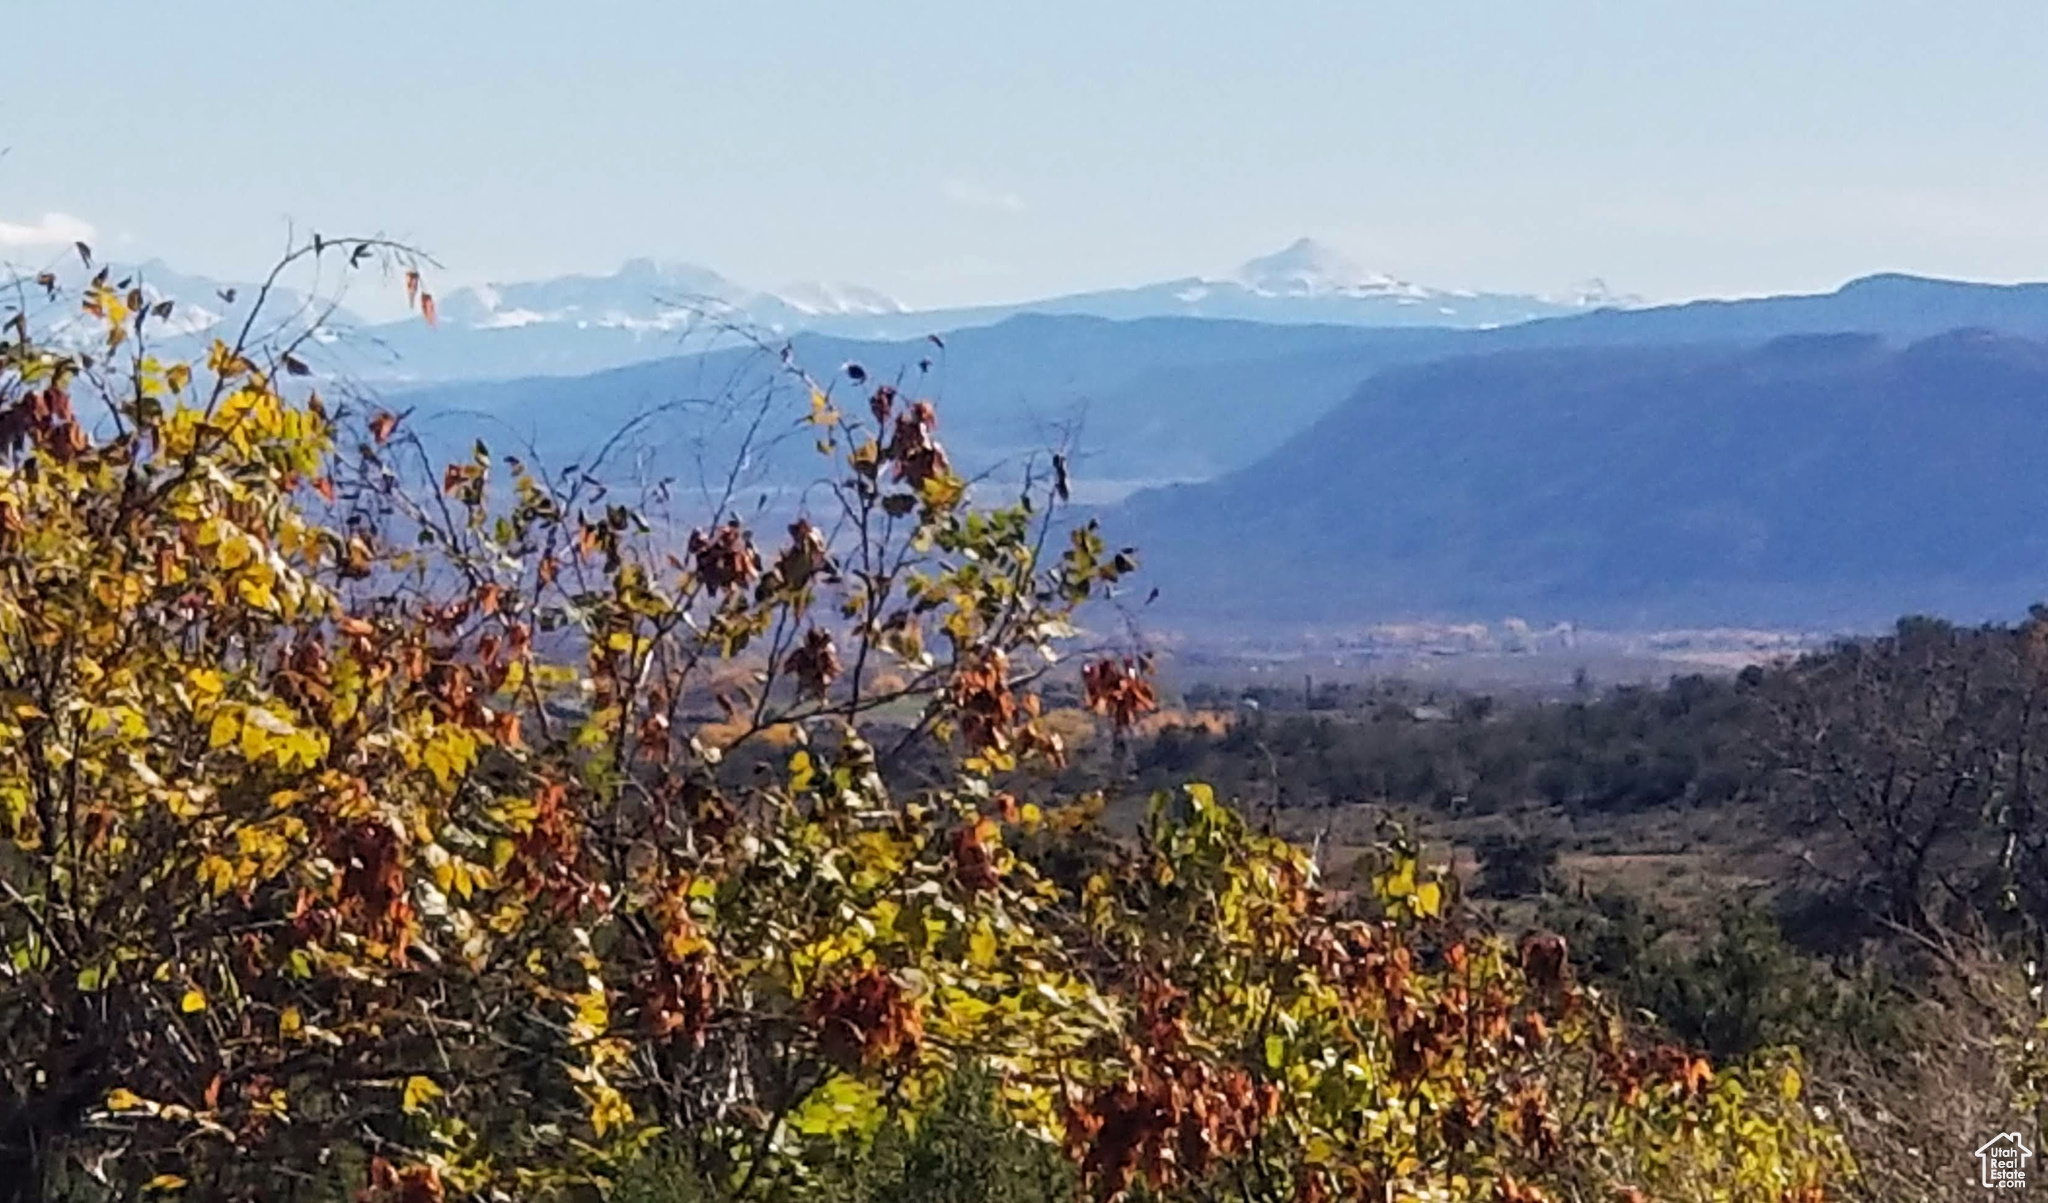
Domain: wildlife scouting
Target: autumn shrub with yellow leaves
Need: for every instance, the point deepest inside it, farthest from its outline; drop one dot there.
(364, 835)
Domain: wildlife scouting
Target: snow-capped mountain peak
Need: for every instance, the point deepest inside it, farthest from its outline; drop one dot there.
(1307, 268)
(641, 291)
(673, 276)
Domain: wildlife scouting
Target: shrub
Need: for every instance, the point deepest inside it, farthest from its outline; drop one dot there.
(1741, 988)
(1518, 863)
(963, 1149)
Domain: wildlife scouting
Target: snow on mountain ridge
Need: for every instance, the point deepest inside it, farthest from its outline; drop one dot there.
(818, 298)
(1307, 268)
(639, 290)
(651, 294)
(1593, 293)
(203, 306)
(647, 307)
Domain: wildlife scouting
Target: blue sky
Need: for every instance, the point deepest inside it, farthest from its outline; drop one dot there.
(982, 151)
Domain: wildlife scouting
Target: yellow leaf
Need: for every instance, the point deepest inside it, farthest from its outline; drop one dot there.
(255, 740)
(419, 1091)
(1429, 899)
(236, 552)
(164, 1182)
(443, 867)
(1790, 1084)
(449, 754)
(227, 727)
(308, 747)
(120, 1098)
(981, 946)
(608, 1109)
(217, 873)
(290, 1022)
(193, 1001)
(257, 594)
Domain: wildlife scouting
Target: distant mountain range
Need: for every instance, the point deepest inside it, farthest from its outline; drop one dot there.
(1306, 282)
(1829, 481)
(1138, 402)
(1821, 460)
(210, 308)
(1183, 399)
(645, 294)
(646, 310)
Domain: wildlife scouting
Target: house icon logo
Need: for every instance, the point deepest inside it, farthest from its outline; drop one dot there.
(2002, 1162)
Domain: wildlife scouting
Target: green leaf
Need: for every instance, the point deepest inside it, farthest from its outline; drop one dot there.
(842, 1106)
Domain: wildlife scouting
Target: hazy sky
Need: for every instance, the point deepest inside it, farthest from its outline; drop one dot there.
(980, 151)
